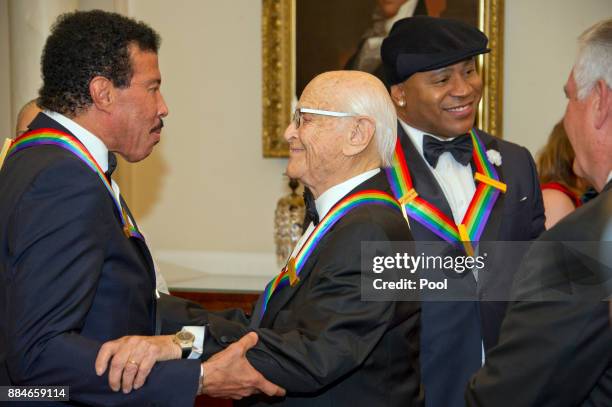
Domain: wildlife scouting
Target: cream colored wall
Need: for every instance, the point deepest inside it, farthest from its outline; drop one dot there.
(29, 24)
(540, 46)
(207, 187)
(6, 129)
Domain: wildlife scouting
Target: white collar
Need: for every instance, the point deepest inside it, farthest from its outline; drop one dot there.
(329, 198)
(416, 136)
(609, 177)
(93, 144)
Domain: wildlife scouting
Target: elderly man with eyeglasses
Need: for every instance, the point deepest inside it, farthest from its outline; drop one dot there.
(317, 338)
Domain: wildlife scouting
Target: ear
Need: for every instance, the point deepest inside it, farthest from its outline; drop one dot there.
(602, 103)
(102, 93)
(360, 137)
(398, 96)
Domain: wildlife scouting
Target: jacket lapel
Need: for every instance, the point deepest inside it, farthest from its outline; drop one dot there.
(424, 183)
(491, 230)
(280, 298)
(141, 244)
(42, 121)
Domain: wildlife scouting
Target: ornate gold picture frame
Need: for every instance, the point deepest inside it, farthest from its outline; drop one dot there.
(279, 71)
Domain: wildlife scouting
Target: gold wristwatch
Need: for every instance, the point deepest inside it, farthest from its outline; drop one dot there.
(185, 340)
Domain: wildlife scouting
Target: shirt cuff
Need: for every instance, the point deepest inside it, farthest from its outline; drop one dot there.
(198, 344)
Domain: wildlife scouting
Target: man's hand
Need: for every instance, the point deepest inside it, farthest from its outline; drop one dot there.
(132, 358)
(228, 374)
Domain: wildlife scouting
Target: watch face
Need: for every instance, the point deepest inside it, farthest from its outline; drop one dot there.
(185, 336)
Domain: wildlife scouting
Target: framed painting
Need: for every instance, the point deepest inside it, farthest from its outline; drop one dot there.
(302, 38)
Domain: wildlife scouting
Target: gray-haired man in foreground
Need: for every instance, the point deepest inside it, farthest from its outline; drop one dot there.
(559, 353)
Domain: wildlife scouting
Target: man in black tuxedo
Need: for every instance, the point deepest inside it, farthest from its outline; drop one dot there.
(431, 69)
(317, 338)
(555, 346)
(74, 270)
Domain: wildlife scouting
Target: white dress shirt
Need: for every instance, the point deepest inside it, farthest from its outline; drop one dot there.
(328, 199)
(93, 144)
(455, 180)
(99, 152)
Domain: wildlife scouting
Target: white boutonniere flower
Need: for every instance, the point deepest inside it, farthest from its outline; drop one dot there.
(494, 157)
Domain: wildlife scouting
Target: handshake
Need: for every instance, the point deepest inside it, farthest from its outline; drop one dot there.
(227, 374)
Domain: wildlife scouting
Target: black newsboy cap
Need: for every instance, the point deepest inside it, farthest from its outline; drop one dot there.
(422, 43)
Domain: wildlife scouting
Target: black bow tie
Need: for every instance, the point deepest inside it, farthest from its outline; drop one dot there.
(112, 164)
(311, 209)
(460, 148)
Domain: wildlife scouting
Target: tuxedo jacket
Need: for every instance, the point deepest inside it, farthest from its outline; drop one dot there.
(453, 333)
(318, 339)
(557, 353)
(71, 280)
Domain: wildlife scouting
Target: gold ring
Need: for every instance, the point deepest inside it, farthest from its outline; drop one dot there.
(133, 361)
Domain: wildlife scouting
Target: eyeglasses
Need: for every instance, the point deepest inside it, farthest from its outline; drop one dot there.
(297, 115)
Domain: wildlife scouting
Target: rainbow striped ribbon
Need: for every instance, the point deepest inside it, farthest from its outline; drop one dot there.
(70, 143)
(290, 273)
(477, 213)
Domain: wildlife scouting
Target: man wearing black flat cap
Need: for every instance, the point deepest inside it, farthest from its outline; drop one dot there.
(431, 70)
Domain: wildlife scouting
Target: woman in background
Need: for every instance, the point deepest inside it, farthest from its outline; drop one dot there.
(561, 187)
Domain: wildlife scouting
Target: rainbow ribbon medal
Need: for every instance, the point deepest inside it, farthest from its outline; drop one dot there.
(291, 272)
(478, 212)
(72, 144)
